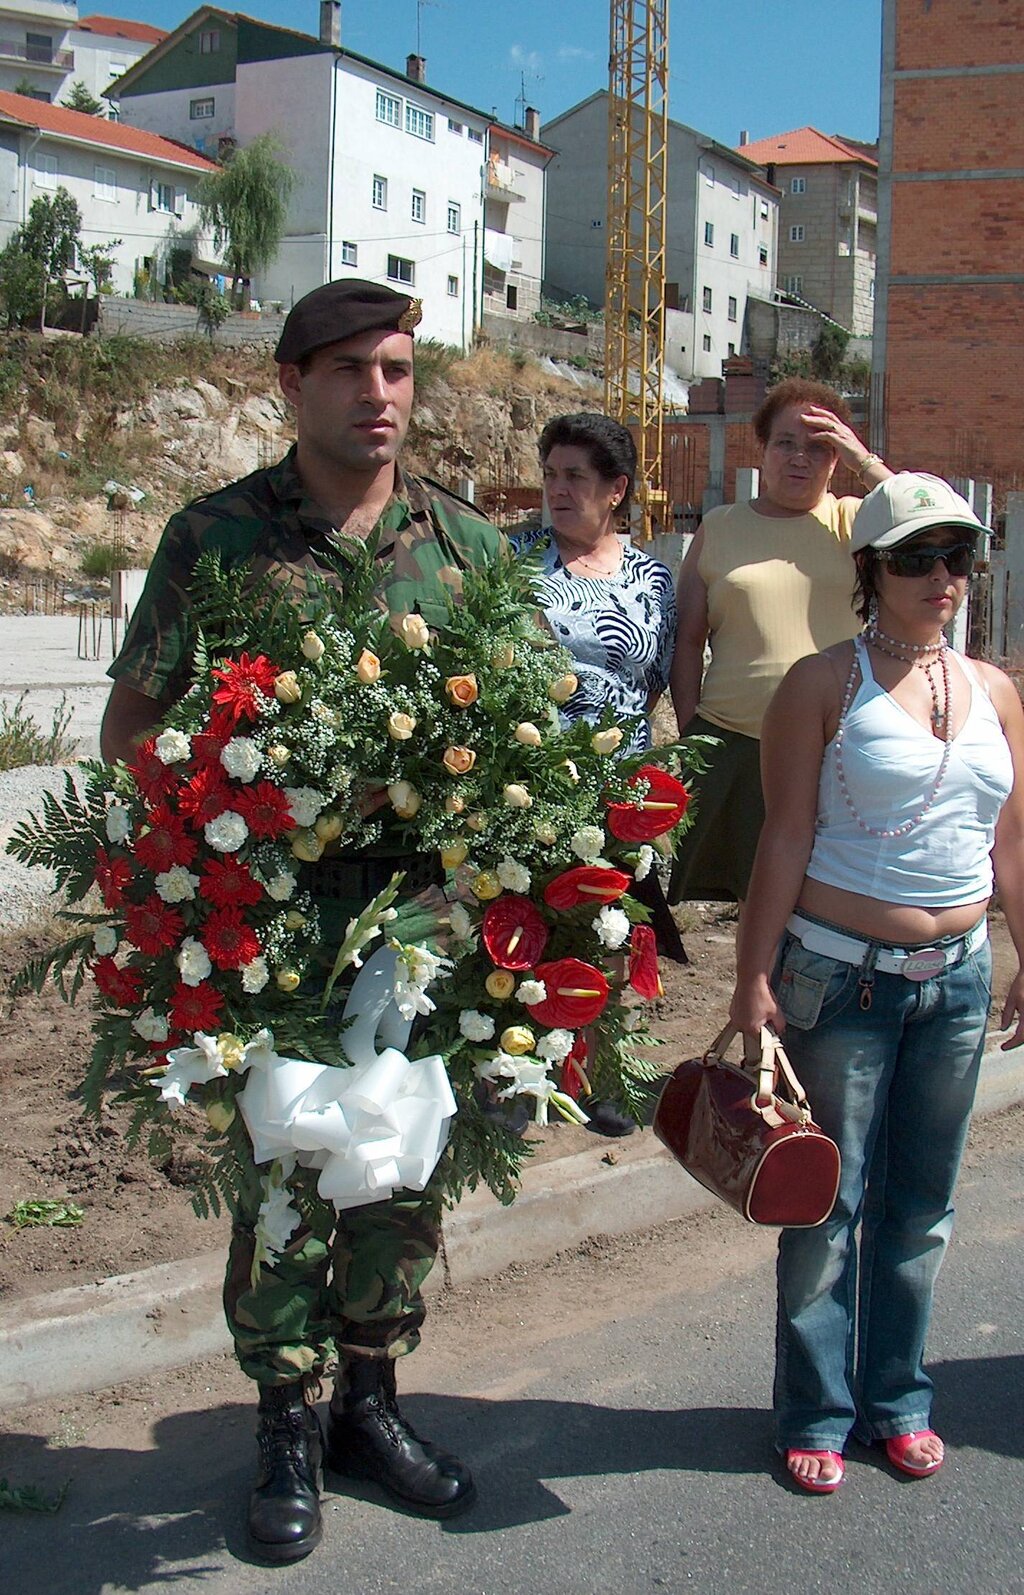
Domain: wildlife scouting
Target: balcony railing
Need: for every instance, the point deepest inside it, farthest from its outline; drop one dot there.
(38, 54)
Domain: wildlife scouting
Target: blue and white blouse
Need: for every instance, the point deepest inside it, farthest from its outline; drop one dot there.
(619, 629)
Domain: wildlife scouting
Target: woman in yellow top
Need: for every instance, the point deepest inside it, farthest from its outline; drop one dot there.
(763, 584)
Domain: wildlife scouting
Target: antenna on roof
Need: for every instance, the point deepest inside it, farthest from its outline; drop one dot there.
(436, 6)
(522, 101)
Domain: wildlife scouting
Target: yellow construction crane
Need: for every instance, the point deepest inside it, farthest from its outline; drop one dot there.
(635, 267)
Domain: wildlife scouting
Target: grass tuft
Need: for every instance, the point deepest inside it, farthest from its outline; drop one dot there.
(23, 741)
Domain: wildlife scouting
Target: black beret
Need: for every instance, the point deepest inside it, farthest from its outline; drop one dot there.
(340, 310)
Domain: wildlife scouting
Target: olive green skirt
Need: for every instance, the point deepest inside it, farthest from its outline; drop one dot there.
(715, 857)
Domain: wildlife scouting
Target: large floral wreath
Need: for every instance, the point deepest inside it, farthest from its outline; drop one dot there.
(314, 724)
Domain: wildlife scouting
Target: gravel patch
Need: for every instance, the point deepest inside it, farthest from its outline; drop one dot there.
(23, 890)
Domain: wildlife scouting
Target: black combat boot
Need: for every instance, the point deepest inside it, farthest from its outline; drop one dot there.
(284, 1508)
(367, 1438)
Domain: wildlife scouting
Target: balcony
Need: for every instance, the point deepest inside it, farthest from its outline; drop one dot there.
(501, 183)
(37, 55)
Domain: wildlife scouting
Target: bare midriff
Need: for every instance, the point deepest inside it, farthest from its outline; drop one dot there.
(901, 924)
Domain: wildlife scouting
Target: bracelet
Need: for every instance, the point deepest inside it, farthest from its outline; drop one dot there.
(867, 462)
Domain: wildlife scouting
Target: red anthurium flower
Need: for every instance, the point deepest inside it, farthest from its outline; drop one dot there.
(165, 843)
(586, 884)
(112, 877)
(226, 883)
(209, 744)
(151, 775)
(205, 796)
(229, 941)
(574, 1078)
(643, 962)
(264, 808)
(662, 808)
(577, 993)
(120, 986)
(240, 680)
(514, 932)
(195, 1007)
(153, 925)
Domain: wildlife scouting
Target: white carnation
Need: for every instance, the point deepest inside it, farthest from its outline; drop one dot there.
(476, 1026)
(278, 1219)
(177, 885)
(555, 1046)
(227, 832)
(151, 1026)
(612, 926)
(119, 823)
(460, 922)
(587, 842)
(104, 939)
(281, 887)
(514, 877)
(193, 961)
(242, 758)
(531, 991)
(173, 746)
(644, 860)
(255, 975)
(304, 803)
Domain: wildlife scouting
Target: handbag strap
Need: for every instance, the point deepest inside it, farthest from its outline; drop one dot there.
(765, 1052)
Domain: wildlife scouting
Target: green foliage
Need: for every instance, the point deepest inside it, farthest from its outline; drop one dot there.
(23, 741)
(828, 352)
(98, 261)
(51, 233)
(45, 1213)
(212, 308)
(576, 308)
(97, 560)
(246, 204)
(434, 360)
(29, 1498)
(21, 288)
(856, 375)
(80, 99)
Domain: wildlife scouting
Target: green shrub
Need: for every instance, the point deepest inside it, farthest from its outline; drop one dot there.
(23, 741)
(97, 560)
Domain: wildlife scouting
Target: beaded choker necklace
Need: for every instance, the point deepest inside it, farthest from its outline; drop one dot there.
(941, 719)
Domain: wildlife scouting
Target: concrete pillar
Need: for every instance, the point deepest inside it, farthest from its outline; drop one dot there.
(748, 479)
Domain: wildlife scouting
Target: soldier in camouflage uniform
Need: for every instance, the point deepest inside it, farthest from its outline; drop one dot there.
(346, 1288)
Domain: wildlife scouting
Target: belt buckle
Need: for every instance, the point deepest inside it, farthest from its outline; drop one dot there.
(923, 965)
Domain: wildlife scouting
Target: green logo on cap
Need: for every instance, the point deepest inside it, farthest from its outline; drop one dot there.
(924, 500)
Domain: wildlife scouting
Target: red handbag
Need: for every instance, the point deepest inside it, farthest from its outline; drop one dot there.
(760, 1151)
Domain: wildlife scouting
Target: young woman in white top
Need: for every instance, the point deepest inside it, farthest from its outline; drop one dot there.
(893, 774)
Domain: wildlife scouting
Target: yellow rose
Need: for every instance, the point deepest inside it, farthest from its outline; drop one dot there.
(545, 832)
(485, 886)
(400, 726)
(368, 667)
(279, 755)
(288, 979)
(293, 920)
(517, 1039)
(458, 761)
(404, 798)
(517, 797)
(307, 846)
(220, 1116)
(500, 984)
(415, 632)
(526, 733)
(329, 826)
(562, 688)
(606, 741)
(462, 690)
(477, 822)
(505, 657)
(286, 687)
(454, 805)
(231, 1049)
(312, 647)
(454, 854)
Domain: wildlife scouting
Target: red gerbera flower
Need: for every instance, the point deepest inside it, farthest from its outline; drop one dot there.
(662, 808)
(264, 808)
(205, 796)
(229, 941)
(112, 877)
(151, 775)
(165, 843)
(208, 744)
(241, 679)
(120, 986)
(195, 1007)
(153, 925)
(229, 884)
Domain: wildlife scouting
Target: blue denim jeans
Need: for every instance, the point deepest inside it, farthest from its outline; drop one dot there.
(893, 1084)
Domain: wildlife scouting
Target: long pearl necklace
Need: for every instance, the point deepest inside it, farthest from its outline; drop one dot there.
(945, 720)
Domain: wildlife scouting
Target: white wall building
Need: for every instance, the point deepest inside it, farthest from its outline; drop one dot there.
(515, 190)
(127, 184)
(389, 171)
(45, 44)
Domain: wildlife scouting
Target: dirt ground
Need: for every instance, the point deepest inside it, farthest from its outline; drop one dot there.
(136, 1214)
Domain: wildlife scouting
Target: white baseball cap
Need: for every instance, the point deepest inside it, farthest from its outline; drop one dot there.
(905, 505)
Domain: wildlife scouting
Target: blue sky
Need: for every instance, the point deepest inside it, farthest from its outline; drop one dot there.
(734, 63)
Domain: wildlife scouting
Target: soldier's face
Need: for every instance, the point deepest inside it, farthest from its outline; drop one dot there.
(353, 401)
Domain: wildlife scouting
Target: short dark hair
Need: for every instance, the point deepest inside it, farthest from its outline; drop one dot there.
(796, 390)
(609, 446)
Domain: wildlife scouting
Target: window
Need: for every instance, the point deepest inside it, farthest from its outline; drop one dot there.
(164, 197)
(104, 183)
(798, 185)
(511, 297)
(707, 299)
(455, 127)
(732, 348)
(871, 288)
(380, 193)
(709, 233)
(793, 285)
(349, 253)
(732, 307)
(38, 47)
(796, 234)
(762, 254)
(474, 136)
(209, 42)
(46, 171)
(400, 270)
(419, 205)
(419, 122)
(389, 109)
(707, 343)
(200, 110)
(734, 245)
(453, 287)
(118, 68)
(454, 217)
(764, 210)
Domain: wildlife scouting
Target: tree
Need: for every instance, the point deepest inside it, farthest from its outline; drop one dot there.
(828, 352)
(20, 289)
(79, 99)
(246, 204)
(98, 261)
(50, 238)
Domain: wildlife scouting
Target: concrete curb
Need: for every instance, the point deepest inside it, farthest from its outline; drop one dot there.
(133, 1325)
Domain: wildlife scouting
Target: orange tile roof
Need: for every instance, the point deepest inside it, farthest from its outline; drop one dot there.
(117, 28)
(97, 130)
(804, 146)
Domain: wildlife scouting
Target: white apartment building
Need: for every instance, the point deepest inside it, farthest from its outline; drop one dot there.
(516, 184)
(128, 185)
(389, 171)
(721, 233)
(47, 46)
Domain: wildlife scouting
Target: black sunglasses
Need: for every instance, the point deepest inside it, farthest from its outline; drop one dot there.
(958, 560)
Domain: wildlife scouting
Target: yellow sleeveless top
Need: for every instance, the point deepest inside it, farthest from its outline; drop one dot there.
(777, 590)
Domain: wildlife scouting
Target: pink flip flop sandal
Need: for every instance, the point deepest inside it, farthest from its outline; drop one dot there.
(818, 1486)
(898, 1445)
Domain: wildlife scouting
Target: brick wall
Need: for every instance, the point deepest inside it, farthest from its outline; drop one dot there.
(958, 124)
(932, 33)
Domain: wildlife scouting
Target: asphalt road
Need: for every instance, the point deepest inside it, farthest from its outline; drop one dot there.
(614, 1407)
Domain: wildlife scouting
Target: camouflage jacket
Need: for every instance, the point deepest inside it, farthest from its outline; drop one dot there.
(428, 536)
